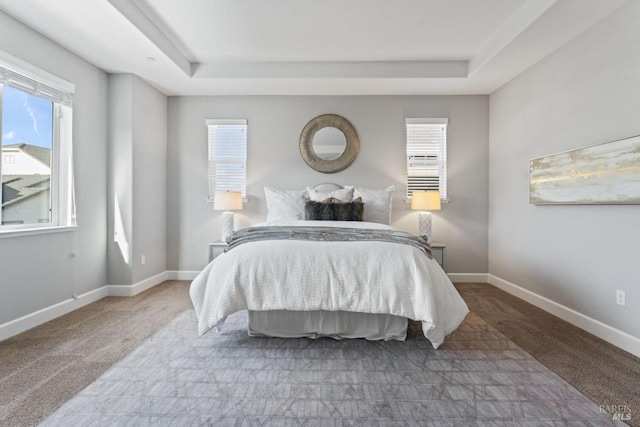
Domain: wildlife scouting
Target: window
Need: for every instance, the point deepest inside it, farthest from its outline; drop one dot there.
(36, 163)
(427, 155)
(227, 156)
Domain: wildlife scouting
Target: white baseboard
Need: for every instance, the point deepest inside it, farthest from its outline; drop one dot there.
(468, 277)
(181, 275)
(136, 288)
(608, 333)
(21, 324)
(14, 327)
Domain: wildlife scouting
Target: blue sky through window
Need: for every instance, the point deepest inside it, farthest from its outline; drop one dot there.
(26, 118)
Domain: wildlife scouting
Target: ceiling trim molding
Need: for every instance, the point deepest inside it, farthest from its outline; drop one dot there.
(516, 24)
(145, 7)
(150, 30)
(332, 69)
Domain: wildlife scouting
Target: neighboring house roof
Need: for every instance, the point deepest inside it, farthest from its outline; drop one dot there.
(16, 188)
(41, 154)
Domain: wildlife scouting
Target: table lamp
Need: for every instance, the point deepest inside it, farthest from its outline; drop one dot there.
(425, 201)
(227, 201)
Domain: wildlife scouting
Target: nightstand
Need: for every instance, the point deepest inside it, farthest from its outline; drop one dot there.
(439, 251)
(216, 248)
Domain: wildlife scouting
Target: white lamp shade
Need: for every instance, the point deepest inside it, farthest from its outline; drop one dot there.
(227, 201)
(425, 200)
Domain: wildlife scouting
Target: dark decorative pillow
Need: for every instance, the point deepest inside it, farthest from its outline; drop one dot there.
(349, 211)
(319, 210)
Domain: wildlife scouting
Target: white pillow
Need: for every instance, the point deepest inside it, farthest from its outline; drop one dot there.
(377, 204)
(284, 205)
(344, 194)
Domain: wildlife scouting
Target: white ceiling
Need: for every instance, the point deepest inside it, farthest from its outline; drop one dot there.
(244, 47)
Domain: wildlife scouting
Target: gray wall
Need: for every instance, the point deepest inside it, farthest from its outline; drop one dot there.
(38, 271)
(585, 93)
(137, 179)
(120, 166)
(274, 126)
(149, 180)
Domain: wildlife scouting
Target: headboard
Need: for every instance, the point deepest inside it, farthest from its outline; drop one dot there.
(325, 188)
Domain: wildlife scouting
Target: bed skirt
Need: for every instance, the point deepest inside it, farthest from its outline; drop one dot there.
(333, 324)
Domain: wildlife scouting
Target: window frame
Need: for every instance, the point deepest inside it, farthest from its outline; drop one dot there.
(14, 73)
(211, 181)
(441, 162)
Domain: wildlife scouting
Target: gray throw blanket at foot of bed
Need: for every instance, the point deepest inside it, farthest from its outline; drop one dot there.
(326, 234)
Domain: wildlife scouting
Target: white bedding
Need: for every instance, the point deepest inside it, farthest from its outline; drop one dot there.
(363, 277)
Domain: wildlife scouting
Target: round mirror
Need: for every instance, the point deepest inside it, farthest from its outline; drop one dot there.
(329, 143)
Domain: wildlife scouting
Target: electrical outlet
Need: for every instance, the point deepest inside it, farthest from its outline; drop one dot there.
(143, 259)
(620, 298)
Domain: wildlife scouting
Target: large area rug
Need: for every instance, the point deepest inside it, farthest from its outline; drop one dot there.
(477, 378)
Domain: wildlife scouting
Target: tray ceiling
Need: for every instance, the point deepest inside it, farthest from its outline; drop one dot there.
(337, 47)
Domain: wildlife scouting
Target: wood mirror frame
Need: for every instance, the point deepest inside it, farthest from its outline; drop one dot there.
(318, 163)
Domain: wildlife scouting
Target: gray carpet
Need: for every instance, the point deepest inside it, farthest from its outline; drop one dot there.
(604, 373)
(479, 377)
(46, 366)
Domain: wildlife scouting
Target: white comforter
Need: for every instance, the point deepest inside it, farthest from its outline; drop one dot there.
(366, 277)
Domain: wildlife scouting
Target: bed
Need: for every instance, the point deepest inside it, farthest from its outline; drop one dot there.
(340, 279)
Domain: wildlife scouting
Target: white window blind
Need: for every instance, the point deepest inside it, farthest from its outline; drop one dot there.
(227, 156)
(427, 155)
(25, 77)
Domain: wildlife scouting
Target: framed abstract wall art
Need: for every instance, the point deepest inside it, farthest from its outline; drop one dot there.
(607, 173)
